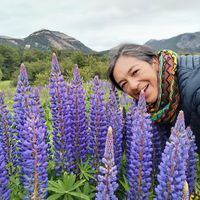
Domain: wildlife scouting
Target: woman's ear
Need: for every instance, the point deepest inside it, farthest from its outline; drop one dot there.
(155, 63)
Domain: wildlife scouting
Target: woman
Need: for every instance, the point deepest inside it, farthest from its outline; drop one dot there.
(170, 83)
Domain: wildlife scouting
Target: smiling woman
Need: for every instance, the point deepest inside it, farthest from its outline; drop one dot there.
(137, 75)
(170, 83)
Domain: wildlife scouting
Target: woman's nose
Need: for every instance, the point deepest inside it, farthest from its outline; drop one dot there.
(133, 85)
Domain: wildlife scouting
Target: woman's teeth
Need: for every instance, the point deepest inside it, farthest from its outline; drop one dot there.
(145, 88)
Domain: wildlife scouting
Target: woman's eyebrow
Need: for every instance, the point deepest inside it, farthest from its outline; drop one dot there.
(128, 72)
(130, 69)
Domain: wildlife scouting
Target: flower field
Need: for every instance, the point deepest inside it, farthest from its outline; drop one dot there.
(90, 142)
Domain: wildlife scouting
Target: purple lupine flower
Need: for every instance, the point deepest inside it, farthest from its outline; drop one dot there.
(124, 131)
(107, 181)
(173, 166)
(125, 100)
(35, 102)
(34, 156)
(98, 123)
(4, 178)
(79, 119)
(164, 132)
(20, 108)
(140, 163)
(115, 120)
(127, 106)
(191, 162)
(130, 118)
(58, 99)
(157, 148)
(6, 134)
(70, 163)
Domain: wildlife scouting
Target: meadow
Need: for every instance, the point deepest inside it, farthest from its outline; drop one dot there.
(75, 139)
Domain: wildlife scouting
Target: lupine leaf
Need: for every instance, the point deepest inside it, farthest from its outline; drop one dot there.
(67, 197)
(67, 187)
(80, 195)
(124, 183)
(76, 185)
(69, 180)
(86, 171)
(61, 185)
(54, 196)
(55, 187)
(87, 189)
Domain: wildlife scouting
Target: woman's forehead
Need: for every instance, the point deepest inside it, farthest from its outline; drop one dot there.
(124, 63)
(122, 67)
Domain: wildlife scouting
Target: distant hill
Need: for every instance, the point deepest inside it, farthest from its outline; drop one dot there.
(45, 39)
(187, 42)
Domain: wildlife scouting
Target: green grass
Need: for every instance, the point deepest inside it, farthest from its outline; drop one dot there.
(4, 85)
(7, 88)
(8, 91)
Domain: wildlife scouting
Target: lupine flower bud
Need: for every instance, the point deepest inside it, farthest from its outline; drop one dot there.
(107, 181)
(185, 192)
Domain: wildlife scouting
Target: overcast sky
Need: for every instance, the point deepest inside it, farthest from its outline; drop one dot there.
(101, 24)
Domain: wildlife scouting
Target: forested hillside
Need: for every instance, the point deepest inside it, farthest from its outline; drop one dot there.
(38, 64)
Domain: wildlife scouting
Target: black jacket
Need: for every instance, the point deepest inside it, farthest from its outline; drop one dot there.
(188, 73)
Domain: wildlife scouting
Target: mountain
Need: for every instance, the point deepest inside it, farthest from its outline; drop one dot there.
(45, 39)
(187, 42)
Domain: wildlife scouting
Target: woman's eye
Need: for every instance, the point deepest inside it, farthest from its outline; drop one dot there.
(122, 85)
(135, 72)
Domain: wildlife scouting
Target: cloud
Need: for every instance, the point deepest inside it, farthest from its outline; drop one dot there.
(101, 24)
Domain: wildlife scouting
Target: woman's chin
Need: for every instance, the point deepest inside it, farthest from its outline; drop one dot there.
(150, 99)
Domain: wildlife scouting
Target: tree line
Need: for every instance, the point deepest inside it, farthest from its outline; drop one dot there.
(38, 64)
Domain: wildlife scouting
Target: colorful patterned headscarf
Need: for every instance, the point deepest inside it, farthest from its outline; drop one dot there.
(164, 110)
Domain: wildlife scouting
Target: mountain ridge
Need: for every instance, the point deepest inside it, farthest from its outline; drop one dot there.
(186, 42)
(45, 40)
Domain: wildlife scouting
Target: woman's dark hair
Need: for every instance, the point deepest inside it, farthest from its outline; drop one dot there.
(140, 52)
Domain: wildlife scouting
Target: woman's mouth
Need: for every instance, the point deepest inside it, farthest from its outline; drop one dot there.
(145, 88)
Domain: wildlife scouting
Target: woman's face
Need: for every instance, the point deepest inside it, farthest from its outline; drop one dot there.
(134, 75)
